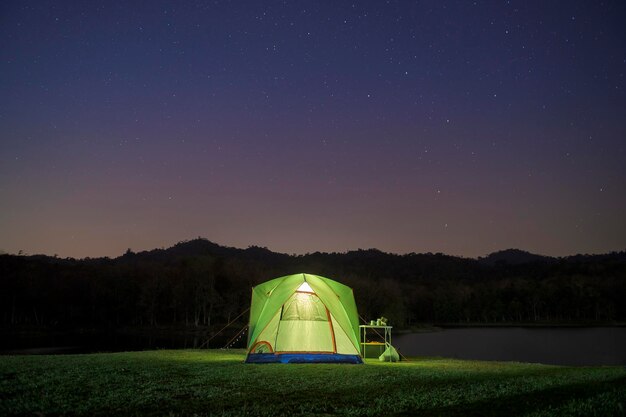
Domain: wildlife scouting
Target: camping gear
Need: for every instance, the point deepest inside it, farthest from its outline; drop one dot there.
(389, 355)
(303, 318)
(374, 348)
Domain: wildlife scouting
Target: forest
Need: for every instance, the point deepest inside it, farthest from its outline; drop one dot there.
(198, 283)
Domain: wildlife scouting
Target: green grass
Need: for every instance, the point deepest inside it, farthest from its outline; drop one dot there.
(185, 382)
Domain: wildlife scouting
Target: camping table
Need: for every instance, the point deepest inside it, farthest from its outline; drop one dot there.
(363, 332)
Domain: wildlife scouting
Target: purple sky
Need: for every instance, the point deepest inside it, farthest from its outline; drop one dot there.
(453, 127)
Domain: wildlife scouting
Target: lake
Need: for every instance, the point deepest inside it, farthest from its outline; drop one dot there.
(549, 345)
(92, 342)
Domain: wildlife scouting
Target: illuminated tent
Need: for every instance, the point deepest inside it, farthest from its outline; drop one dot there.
(303, 318)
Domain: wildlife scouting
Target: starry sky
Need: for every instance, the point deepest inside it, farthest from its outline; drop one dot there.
(412, 126)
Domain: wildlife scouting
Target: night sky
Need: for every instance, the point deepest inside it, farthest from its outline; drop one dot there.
(455, 127)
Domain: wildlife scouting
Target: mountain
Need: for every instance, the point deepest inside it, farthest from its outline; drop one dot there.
(514, 257)
(200, 247)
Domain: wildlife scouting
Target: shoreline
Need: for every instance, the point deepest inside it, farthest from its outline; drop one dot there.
(34, 331)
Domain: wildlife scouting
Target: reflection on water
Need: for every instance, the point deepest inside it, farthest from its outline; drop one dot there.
(71, 343)
(550, 345)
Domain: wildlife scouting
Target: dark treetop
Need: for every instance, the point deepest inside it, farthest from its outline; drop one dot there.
(200, 283)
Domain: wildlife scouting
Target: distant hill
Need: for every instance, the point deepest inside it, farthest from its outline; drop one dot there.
(514, 257)
(200, 247)
(203, 247)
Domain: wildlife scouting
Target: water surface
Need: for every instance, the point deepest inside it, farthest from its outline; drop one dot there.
(550, 345)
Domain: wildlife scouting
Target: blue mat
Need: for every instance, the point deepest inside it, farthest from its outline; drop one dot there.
(302, 358)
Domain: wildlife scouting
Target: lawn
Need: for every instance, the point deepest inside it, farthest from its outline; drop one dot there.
(191, 382)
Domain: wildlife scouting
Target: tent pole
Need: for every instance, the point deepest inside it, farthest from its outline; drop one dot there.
(223, 328)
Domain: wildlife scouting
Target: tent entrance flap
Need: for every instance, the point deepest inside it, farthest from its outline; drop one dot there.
(304, 306)
(304, 325)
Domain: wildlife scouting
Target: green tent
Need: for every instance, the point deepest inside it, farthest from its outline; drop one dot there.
(303, 318)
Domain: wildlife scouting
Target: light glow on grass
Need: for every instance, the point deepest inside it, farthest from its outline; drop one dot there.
(204, 382)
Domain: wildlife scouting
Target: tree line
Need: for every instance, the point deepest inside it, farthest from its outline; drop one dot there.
(198, 283)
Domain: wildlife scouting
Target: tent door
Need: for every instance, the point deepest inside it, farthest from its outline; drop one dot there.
(305, 325)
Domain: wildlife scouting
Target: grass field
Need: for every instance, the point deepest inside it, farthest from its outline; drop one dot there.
(185, 382)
